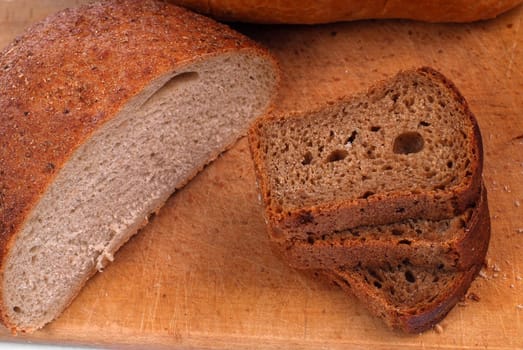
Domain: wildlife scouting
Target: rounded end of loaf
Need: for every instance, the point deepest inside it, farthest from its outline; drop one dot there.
(318, 12)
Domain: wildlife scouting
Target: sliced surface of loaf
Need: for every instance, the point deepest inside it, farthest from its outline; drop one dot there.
(449, 244)
(107, 109)
(409, 148)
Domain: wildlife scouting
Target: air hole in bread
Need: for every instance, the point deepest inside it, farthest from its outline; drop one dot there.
(409, 276)
(351, 138)
(375, 128)
(397, 232)
(173, 83)
(405, 241)
(367, 194)
(307, 158)
(395, 97)
(450, 164)
(337, 155)
(408, 142)
(377, 284)
(424, 123)
(310, 240)
(17, 309)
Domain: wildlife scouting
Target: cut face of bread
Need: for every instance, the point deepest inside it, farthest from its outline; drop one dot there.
(406, 297)
(127, 155)
(449, 244)
(408, 148)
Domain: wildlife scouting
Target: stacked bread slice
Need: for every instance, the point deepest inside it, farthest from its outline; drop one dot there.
(382, 192)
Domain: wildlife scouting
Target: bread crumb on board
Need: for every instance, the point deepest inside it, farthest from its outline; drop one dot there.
(438, 328)
(519, 306)
(473, 296)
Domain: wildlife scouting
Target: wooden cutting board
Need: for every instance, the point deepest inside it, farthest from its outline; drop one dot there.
(202, 275)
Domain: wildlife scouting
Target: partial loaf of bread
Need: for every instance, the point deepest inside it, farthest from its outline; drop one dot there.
(409, 148)
(323, 11)
(107, 109)
(449, 244)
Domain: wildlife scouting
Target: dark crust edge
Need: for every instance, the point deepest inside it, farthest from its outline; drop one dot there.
(290, 223)
(18, 197)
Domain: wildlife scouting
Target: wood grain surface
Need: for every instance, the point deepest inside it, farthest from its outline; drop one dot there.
(202, 275)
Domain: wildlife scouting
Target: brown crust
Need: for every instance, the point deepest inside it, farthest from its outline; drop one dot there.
(62, 79)
(457, 253)
(323, 11)
(384, 208)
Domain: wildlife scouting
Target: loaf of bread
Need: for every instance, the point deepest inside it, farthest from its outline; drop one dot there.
(323, 11)
(107, 109)
(450, 244)
(409, 148)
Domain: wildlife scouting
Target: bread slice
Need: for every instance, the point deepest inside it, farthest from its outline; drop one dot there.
(107, 109)
(406, 297)
(409, 148)
(450, 244)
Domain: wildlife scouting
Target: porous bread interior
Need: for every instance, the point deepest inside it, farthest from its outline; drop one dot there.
(347, 150)
(123, 173)
(411, 289)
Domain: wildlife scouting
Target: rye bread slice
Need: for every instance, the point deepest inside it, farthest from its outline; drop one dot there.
(409, 298)
(409, 148)
(450, 244)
